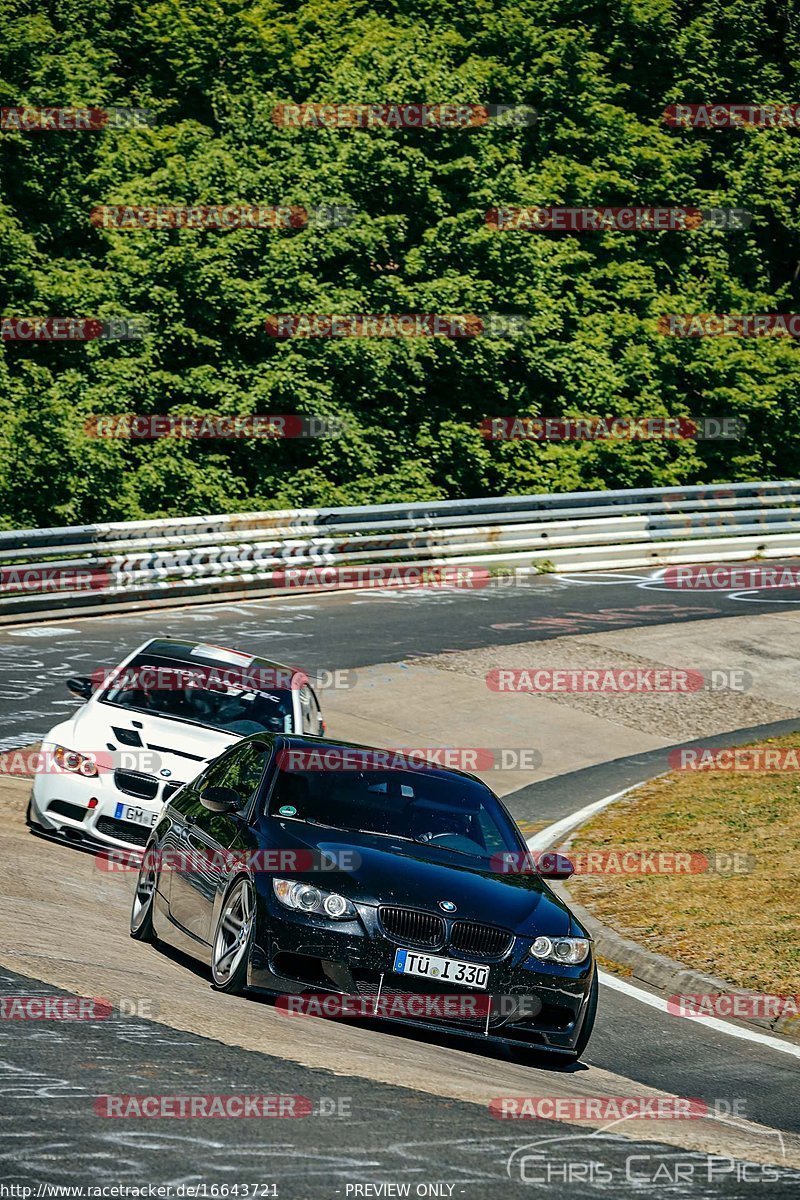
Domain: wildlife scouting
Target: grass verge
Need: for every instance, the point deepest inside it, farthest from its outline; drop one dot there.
(740, 924)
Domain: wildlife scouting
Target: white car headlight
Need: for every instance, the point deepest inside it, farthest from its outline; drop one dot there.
(562, 949)
(78, 764)
(304, 897)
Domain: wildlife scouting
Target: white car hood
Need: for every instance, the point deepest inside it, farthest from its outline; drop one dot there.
(91, 729)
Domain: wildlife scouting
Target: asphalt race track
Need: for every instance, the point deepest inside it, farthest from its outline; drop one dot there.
(373, 1132)
(365, 1132)
(350, 630)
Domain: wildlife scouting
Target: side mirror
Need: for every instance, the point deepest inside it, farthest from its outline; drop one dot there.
(81, 685)
(221, 799)
(555, 866)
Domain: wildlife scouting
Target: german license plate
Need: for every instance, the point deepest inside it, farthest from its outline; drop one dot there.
(139, 816)
(447, 970)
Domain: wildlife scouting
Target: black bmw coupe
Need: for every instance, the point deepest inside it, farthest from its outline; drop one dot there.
(316, 868)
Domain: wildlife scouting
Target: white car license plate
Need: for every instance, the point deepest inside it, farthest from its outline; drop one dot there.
(139, 816)
(449, 970)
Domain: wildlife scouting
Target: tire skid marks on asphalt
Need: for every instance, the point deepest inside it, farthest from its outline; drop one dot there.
(654, 581)
(18, 1083)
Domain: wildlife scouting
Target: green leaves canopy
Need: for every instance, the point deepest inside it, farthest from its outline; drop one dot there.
(213, 73)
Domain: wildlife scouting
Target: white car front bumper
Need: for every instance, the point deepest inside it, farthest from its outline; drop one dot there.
(113, 808)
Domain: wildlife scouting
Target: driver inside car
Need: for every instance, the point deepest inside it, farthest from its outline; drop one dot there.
(448, 828)
(427, 825)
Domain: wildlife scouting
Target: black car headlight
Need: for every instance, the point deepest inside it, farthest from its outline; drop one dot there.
(567, 950)
(304, 897)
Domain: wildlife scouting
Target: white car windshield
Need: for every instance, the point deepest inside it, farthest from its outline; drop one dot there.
(217, 697)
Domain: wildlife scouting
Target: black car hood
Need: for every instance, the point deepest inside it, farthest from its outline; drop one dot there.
(392, 871)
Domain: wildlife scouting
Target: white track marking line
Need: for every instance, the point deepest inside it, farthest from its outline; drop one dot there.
(548, 837)
(746, 1035)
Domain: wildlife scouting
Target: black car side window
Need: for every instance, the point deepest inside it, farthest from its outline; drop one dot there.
(241, 770)
(210, 776)
(214, 774)
(188, 799)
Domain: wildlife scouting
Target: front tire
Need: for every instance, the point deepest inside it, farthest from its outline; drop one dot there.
(144, 898)
(233, 939)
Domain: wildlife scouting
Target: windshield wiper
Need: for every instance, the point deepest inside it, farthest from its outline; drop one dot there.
(398, 837)
(450, 849)
(370, 832)
(324, 825)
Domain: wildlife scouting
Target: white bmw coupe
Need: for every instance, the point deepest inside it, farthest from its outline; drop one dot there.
(149, 726)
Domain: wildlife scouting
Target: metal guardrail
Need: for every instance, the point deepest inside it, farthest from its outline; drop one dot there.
(199, 558)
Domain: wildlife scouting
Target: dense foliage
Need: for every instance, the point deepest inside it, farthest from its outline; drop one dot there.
(599, 75)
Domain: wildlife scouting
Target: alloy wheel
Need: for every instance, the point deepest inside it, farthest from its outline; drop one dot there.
(233, 932)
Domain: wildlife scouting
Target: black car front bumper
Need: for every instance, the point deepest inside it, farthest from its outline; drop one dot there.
(536, 1004)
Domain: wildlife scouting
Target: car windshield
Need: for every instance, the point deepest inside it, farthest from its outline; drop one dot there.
(216, 696)
(447, 812)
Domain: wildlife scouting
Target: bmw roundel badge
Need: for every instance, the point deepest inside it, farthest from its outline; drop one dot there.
(447, 906)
